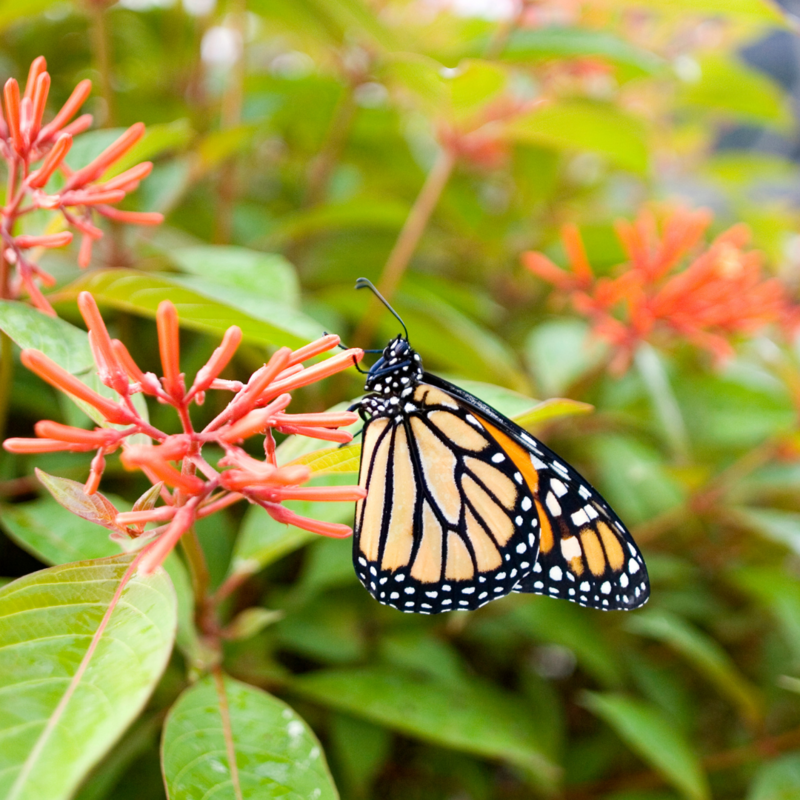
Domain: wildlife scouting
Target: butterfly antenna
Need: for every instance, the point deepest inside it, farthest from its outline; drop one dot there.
(364, 283)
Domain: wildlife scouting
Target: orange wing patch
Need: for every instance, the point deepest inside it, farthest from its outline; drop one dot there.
(516, 453)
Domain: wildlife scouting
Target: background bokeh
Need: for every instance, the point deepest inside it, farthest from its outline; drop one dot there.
(291, 141)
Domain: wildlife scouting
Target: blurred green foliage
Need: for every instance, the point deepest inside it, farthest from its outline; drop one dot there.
(291, 139)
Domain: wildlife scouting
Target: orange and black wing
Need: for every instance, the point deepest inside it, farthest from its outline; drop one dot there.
(585, 553)
(449, 521)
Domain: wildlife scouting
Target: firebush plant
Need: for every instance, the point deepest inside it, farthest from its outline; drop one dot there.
(556, 198)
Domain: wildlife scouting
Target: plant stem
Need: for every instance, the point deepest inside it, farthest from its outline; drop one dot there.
(407, 241)
(198, 571)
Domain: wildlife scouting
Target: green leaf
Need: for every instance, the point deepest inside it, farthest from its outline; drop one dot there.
(527, 44)
(656, 381)
(704, 653)
(730, 86)
(647, 732)
(226, 739)
(562, 351)
(251, 621)
(779, 593)
(371, 213)
(65, 344)
(217, 146)
(360, 749)
(751, 10)
(555, 408)
(332, 460)
(568, 625)
(71, 680)
(507, 402)
(634, 478)
(777, 780)
(261, 322)
(11, 10)
(779, 526)
(266, 275)
(53, 534)
(474, 717)
(585, 126)
(472, 85)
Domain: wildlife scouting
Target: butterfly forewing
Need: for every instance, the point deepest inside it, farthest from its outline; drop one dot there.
(450, 519)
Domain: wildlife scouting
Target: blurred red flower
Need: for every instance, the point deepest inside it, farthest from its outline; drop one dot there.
(195, 488)
(24, 142)
(656, 296)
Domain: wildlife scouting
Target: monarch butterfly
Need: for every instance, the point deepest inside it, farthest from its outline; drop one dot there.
(463, 506)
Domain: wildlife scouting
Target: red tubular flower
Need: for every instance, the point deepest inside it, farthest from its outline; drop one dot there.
(720, 294)
(193, 487)
(33, 152)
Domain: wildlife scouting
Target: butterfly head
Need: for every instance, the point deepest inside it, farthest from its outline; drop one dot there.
(397, 371)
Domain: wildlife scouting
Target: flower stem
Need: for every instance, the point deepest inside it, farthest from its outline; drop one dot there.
(198, 571)
(407, 241)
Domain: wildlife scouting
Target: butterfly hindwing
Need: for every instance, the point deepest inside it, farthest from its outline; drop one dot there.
(586, 554)
(449, 521)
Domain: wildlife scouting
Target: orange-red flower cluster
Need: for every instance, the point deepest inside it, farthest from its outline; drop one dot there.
(654, 296)
(190, 486)
(24, 142)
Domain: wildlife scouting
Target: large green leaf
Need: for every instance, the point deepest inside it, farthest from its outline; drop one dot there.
(266, 275)
(533, 44)
(779, 593)
(55, 536)
(140, 293)
(772, 523)
(562, 351)
(585, 126)
(471, 716)
(704, 653)
(11, 10)
(77, 664)
(67, 345)
(568, 625)
(729, 86)
(360, 213)
(231, 741)
(762, 11)
(777, 780)
(647, 732)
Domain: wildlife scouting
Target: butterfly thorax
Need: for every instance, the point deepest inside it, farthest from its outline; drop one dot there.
(393, 377)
